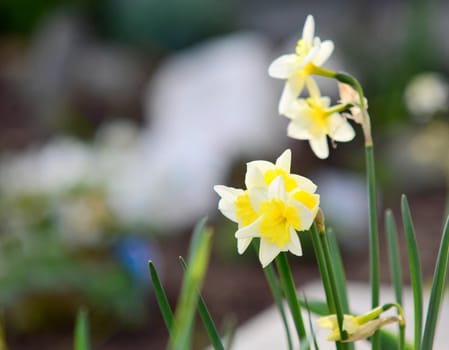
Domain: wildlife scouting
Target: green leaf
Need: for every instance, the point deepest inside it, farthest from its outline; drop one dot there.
(276, 291)
(337, 263)
(206, 318)
(161, 297)
(395, 266)
(436, 293)
(290, 294)
(373, 230)
(415, 270)
(316, 307)
(81, 341)
(198, 260)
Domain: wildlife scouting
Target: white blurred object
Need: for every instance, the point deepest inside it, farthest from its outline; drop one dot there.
(426, 94)
(206, 107)
(58, 165)
(343, 198)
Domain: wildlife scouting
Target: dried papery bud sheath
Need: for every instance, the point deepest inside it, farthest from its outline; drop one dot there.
(320, 221)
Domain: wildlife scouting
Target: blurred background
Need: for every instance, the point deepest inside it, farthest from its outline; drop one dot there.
(118, 117)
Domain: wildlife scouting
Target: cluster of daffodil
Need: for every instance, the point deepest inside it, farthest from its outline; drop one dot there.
(276, 204)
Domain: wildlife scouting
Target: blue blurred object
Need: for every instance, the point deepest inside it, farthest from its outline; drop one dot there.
(134, 253)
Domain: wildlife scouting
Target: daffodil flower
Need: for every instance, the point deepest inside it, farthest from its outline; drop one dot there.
(261, 173)
(360, 327)
(280, 216)
(310, 53)
(236, 206)
(314, 119)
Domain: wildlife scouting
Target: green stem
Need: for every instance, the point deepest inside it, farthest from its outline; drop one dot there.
(333, 285)
(290, 294)
(323, 268)
(373, 235)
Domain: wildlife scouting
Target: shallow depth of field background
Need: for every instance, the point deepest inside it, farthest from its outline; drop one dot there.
(118, 117)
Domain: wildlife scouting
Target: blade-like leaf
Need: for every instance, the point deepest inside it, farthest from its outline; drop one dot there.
(198, 260)
(81, 341)
(396, 272)
(208, 322)
(436, 293)
(415, 270)
(161, 297)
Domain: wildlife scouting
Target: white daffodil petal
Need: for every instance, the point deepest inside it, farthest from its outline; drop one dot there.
(312, 86)
(227, 209)
(294, 246)
(311, 54)
(291, 91)
(277, 189)
(319, 146)
(283, 66)
(250, 231)
(267, 252)
(326, 49)
(228, 193)
(242, 244)
(340, 129)
(308, 30)
(304, 183)
(262, 165)
(257, 195)
(296, 131)
(305, 215)
(254, 176)
(284, 161)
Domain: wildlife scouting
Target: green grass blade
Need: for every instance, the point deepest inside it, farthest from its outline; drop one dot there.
(395, 264)
(333, 285)
(161, 297)
(81, 341)
(436, 293)
(208, 322)
(316, 307)
(309, 316)
(290, 294)
(188, 300)
(415, 271)
(276, 290)
(373, 234)
(322, 266)
(340, 276)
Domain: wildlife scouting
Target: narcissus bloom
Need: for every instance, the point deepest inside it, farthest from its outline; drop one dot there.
(274, 206)
(280, 215)
(359, 327)
(314, 119)
(297, 67)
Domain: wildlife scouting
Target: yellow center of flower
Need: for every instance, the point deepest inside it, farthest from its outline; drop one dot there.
(277, 218)
(319, 116)
(289, 181)
(306, 198)
(244, 211)
(302, 50)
